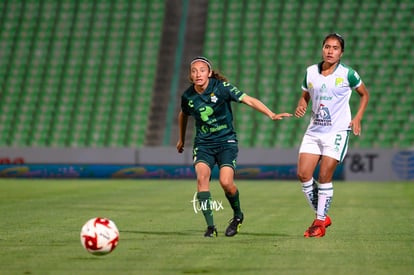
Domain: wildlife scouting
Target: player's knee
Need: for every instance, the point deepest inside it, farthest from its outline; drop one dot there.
(325, 176)
(203, 181)
(228, 185)
(230, 189)
(303, 176)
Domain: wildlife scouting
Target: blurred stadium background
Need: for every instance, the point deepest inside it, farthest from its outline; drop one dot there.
(110, 73)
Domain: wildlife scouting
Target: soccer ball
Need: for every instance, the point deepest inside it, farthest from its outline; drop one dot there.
(99, 236)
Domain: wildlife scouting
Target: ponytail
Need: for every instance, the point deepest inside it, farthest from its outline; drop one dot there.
(218, 76)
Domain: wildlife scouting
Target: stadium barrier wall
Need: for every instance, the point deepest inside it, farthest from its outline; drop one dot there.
(166, 163)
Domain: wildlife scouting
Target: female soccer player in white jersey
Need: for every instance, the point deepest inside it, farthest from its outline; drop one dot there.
(328, 85)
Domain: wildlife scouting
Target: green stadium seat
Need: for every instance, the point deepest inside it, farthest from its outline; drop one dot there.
(85, 63)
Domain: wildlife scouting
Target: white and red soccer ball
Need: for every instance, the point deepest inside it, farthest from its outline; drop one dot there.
(99, 236)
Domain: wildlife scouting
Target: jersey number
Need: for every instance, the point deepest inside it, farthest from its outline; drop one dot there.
(338, 140)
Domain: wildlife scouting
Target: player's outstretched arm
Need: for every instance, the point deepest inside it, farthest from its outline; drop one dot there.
(280, 116)
(261, 107)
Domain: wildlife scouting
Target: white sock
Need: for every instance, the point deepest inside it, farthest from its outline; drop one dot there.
(308, 189)
(325, 194)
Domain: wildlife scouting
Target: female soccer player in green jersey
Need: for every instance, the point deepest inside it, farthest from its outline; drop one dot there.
(328, 85)
(208, 101)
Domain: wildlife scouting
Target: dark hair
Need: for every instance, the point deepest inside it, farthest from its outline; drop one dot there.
(214, 73)
(337, 37)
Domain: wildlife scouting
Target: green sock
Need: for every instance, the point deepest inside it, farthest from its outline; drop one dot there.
(235, 203)
(204, 199)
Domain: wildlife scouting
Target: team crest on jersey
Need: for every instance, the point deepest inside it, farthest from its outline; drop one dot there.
(339, 82)
(213, 98)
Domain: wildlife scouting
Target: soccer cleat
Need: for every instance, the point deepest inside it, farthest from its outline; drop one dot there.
(234, 226)
(316, 230)
(328, 221)
(211, 232)
(307, 232)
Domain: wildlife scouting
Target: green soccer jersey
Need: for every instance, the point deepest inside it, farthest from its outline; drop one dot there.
(212, 112)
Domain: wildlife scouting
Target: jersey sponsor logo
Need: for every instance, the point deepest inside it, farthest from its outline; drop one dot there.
(323, 112)
(323, 89)
(323, 116)
(204, 129)
(218, 128)
(205, 112)
(324, 97)
(310, 87)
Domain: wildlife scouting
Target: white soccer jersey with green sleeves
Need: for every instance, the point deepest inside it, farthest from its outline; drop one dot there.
(330, 97)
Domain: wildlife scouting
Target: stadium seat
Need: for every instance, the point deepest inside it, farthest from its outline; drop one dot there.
(72, 73)
(55, 65)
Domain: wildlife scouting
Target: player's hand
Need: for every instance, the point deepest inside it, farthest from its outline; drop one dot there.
(355, 124)
(280, 116)
(300, 111)
(180, 146)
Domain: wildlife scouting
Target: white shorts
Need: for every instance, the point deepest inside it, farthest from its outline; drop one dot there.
(334, 145)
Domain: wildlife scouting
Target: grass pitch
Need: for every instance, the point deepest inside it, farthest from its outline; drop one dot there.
(40, 222)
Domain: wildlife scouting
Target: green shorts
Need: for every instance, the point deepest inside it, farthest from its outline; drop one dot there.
(222, 155)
